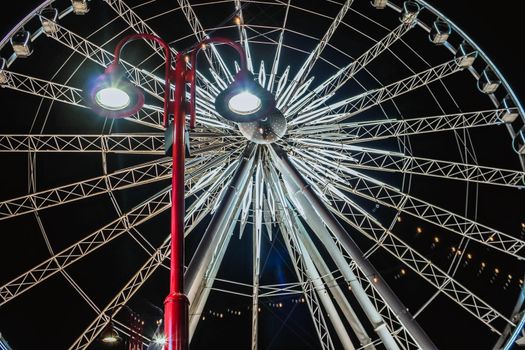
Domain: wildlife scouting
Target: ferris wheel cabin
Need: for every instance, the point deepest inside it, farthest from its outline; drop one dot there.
(21, 43)
(410, 11)
(48, 19)
(466, 55)
(3, 76)
(80, 7)
(379, 4)
(440, 32)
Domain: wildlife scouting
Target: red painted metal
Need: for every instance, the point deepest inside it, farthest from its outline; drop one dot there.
(168, 71)
(176, 305)
(193, 60)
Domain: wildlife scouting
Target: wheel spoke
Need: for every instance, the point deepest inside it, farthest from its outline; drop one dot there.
(349, 133)
(357, 104)
(43, 88)
(311, 60)
(368, 158)
(389, 196)
(122, 179)
(363, 222)
(331, 85)
(214, 58)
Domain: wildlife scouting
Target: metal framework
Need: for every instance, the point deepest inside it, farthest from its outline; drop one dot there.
(332, 190)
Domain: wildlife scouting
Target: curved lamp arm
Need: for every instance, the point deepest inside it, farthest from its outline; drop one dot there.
(193, 60)
(132, 37)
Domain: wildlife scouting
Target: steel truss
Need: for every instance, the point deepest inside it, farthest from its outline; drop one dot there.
(231, 184)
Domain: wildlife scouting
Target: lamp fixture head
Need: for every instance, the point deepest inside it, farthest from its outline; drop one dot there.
(244, 101)
(109, 335)
(111, 95)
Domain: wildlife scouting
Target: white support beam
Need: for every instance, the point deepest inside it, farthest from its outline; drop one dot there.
(243, 35)
(350, 133)
(374, 159)
(225, 232)
(214, 58)
(442, 281)
(347, 108)
(136, 216)
(309, 290)
(329, 280)
(376, 316)
(304, 71)
(330, 86)
(297, 185)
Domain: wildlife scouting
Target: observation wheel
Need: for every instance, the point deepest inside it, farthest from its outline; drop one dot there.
(380, 209)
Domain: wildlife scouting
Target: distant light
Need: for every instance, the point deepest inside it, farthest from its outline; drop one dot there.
(496, 270)
(112, 99)
(403, 271)
(375, 279)
(469, 256)
(237, 20)
(399, 219)
(436, 239)
(244, 103)
(159, 339)
(453, 249)
(280, 304)
(110, 339)
(419, 230)
(483, 264)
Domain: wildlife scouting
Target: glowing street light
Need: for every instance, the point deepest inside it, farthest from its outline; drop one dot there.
(113, 96)
(109, 335)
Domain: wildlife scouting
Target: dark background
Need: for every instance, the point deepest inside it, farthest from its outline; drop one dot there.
(497, 29)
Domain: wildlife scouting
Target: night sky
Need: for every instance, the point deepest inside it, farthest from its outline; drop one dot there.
(497, 29)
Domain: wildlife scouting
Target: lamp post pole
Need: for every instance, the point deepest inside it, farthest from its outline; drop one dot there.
(176, 304)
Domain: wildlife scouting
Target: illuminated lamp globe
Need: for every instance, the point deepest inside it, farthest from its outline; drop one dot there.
(109, 335)
(244, 101)
(267, 130)
(111, 95)
(112, 98)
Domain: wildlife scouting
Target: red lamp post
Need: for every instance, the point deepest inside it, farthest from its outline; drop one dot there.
(114, 97)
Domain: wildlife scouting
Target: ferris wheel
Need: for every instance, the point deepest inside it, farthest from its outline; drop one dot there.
(380, 208)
